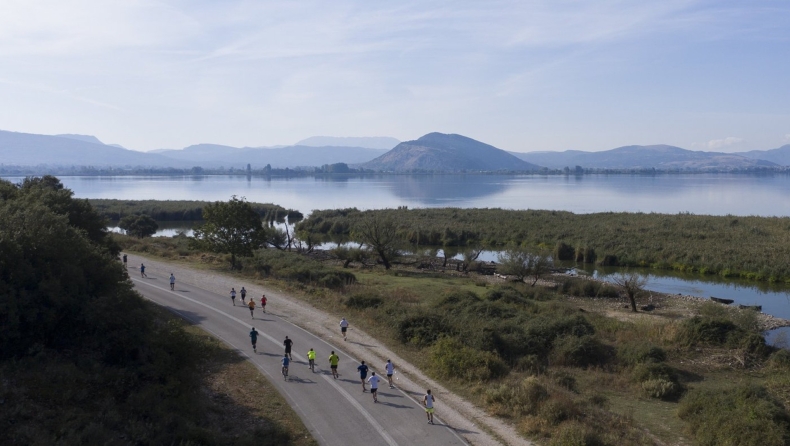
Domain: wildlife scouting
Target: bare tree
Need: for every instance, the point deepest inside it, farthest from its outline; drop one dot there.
(470, 255)
(522, 264)
(632, 283)
(380, 233)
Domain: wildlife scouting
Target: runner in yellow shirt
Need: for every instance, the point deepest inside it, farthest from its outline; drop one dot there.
(333, 360)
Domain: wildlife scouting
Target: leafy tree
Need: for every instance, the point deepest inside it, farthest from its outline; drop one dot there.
(522, 264)
(632, 283)
(380, 233)
(139, 225)
(231, 227)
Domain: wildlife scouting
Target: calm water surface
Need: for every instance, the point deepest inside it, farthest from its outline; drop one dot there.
(714, 194)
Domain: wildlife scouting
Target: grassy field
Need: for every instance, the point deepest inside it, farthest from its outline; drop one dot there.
(567, 365)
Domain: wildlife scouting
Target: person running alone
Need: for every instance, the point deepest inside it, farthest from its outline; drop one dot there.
(285, 361)
(233, 296)
(288, 344)
(343, 327)
(389, 367)
(374, 386)
(142, 271)
(254, 339)
(252, 307)
(243, 295)
(363, 373)
(172, 282)
(124, 261)
(427, 402)
(333, 361)
(311, 360)
(263, 303)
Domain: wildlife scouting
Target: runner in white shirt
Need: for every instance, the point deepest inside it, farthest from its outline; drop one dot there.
(343, 327)
(428, 401)
(390, 368)
(374, 386)
(172, 282)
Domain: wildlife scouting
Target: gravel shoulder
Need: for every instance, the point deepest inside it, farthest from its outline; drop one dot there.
(476, 426)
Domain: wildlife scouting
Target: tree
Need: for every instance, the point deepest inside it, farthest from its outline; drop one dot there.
(231, 227)
(139, 225)
(522, 264)
(380, 233)
(632, 283)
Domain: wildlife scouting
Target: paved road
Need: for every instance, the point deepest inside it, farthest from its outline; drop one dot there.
(334, 410)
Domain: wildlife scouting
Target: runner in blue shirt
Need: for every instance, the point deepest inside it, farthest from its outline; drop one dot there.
(363, 373)
(285, 362)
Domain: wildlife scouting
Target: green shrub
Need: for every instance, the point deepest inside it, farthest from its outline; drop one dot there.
(779, 360)
(632, 353)
(744, 416)
(531, 364)
(557, 410)
(518, 400)
(657, 381)
(564, 380)
(450, 358)
(574, 434)
(563, 251)
(297, 267)
(578, 351)
(706, 331)
(362, 301)
(422, 330)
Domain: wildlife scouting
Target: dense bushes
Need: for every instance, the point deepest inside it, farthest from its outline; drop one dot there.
(745, 415)
(754, 248)
(450, 358)
(180, 210)
(299, 268)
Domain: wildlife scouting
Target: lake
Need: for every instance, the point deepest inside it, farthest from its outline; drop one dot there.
(713, 194)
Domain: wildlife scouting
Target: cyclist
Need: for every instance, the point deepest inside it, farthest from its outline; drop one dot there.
(252, 307)
(243, 295)
(333, 360)
(233, 296)
(254, 339)
(311, 360)
(285, 362)
(172, 282)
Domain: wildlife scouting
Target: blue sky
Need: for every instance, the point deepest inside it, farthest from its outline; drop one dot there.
(522, 75)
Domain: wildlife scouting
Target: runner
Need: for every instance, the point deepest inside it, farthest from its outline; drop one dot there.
(288, 344)
(285, 362)
(243, 295)
(311, 360)
(390, 368)
(374, 386)
(252, 307)
(172, 282)
(233, 296)
(263, 303)
(124, 260)
(254, 339)
(142, 271)
(343, 327)
(363, 373)
(333, 360)
(428, 401)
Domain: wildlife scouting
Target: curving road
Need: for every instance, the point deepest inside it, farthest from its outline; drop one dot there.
(334, 410)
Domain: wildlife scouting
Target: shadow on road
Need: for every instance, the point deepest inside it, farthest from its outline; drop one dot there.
(397, 406)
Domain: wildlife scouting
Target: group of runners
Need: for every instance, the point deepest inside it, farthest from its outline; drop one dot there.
(427, 400)
(251, 304)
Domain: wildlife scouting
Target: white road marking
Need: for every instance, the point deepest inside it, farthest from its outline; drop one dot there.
(342, 391)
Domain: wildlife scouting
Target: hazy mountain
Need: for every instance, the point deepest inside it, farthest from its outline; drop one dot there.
(27, 149)
(213, 155)
(85, 138)
(370, 142)
(779, 156)
(642, 157)
(442, 152)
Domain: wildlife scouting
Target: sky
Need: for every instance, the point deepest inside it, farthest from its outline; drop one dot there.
(522, 75)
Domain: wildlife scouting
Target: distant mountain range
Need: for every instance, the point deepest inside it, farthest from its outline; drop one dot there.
(660, 157)
(436, 152)
(447, 153)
